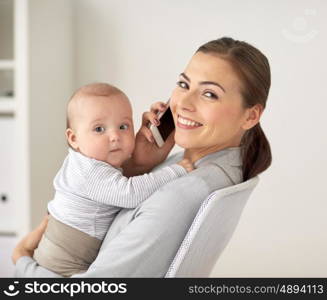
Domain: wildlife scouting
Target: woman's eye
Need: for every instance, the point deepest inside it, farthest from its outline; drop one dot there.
(124, 126)
(99, 129)
(210, 95)
(182, 84)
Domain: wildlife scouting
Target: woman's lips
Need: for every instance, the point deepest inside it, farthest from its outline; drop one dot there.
(186, 123)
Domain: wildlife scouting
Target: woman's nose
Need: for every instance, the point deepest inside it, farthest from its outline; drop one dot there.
(186, 103)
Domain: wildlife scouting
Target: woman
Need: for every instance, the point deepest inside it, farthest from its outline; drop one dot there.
(216, 105)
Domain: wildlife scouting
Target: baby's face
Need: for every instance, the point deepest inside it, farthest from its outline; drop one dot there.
(104, 128)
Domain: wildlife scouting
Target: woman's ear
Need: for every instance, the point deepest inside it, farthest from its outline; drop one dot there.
(71, 138)
(252, 116)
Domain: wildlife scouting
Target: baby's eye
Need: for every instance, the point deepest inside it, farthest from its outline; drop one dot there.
(182, 84)
(124, 127)
(99, 129)
(210, 95)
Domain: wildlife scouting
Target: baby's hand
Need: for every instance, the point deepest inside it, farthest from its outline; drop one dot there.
(186, 164)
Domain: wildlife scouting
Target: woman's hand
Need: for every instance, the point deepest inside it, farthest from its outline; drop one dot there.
(30, 242)
(147, 154)
(186, 164)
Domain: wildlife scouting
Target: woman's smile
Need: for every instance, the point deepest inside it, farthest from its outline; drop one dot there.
(186, 123)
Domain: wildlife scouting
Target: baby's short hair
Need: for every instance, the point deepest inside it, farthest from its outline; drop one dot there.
(92, 89)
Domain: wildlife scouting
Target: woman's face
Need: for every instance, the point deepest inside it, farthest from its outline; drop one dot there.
(207, 105)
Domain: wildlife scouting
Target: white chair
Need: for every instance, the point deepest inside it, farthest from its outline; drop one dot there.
(211, 230)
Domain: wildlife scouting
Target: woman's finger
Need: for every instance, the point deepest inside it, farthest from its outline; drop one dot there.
(158, 106)
(151, 117)
(43, 224)
(145, 131)
(35, 236)
(30, 242)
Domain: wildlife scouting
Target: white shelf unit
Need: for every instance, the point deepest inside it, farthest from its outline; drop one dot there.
(7, 71)
(32, 119)
(8, 229)
(7, 64)
(7, 105)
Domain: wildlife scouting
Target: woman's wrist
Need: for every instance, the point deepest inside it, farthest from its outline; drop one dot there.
(30, 242)
(20, 252)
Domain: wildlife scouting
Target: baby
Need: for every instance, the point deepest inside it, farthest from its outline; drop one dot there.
(90, 187)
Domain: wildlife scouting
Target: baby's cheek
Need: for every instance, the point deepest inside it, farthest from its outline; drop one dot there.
(130, 143)
(96, 148)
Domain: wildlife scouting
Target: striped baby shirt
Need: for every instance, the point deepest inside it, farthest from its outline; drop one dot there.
(90, 193)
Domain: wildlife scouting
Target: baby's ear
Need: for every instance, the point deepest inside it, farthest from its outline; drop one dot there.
(71, 138)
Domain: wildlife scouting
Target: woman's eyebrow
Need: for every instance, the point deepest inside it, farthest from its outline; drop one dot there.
(203, 82)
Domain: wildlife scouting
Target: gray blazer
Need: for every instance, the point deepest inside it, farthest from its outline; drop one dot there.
(142, 242)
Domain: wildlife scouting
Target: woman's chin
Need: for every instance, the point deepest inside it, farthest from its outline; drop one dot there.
(183, 142)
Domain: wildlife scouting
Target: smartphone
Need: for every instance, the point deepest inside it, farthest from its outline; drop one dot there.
(167, 125)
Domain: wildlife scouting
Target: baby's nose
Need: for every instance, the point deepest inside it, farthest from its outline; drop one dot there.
(114, 136)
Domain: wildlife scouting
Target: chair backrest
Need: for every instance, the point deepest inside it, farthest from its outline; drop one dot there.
(211, 230)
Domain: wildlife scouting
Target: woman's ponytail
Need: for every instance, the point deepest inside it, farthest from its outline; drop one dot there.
(255, 151)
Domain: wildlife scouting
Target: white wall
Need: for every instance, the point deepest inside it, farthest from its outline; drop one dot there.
(50, 86)
(143, 45)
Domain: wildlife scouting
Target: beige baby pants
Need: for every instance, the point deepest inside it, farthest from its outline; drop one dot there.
(66, 250)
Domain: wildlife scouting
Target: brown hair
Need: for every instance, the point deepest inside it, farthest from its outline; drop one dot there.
(253, 70)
